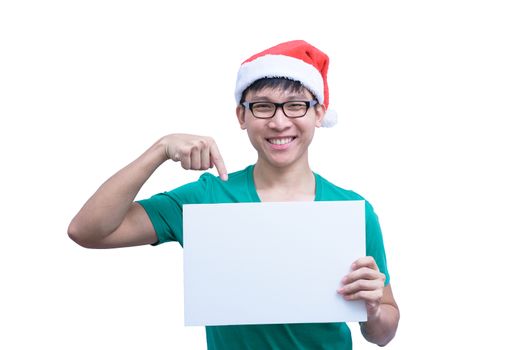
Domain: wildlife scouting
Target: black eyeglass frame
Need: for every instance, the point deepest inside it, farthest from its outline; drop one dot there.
(249, 105)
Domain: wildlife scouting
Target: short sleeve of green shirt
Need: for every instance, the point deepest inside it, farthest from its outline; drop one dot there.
(165, 209)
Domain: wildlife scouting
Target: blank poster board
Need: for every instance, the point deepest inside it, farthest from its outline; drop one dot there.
(271, 262)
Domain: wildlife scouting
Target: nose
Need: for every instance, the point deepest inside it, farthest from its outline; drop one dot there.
(279, 120)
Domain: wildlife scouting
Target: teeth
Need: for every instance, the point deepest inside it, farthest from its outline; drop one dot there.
(281, 141)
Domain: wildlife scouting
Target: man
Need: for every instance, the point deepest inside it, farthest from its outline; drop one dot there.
(282, 97)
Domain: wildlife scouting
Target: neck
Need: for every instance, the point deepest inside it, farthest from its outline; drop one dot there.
(294, 182)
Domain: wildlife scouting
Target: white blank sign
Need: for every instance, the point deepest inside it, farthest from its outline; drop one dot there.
(271, 262)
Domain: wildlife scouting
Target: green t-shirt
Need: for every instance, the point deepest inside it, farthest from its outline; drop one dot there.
(165, 212)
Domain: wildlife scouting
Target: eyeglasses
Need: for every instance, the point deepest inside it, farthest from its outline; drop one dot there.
(291, 109)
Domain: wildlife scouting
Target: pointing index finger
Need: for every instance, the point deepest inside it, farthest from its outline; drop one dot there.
(217, 160)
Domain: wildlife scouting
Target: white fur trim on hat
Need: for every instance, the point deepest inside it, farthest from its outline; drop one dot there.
(330, 119)
(280, 66)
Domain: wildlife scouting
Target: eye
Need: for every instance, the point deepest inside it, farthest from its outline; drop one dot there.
(263, 107)
(295, 106)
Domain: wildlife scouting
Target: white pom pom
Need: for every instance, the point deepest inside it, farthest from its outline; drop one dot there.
(330, 119)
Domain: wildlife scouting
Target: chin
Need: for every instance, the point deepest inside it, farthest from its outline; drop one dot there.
(281, 162)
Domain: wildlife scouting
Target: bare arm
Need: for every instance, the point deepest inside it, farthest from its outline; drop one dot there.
(366, 282)
(381, 327)
(111, 218)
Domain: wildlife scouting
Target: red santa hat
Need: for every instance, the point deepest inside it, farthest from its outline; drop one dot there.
(295, 60)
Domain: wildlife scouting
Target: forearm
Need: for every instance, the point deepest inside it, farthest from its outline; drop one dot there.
(106, 209)
(381, 328)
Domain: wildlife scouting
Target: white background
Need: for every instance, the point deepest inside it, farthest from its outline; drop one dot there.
(430, 102)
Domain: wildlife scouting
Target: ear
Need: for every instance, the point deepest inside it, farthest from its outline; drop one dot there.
(320, 112)
(241, 116)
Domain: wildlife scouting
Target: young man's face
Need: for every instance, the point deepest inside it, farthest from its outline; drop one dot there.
(280, 141)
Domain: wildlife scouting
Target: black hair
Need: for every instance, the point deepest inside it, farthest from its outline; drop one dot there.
(274, 83)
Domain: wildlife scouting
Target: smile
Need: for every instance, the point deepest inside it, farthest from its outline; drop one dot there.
(280, 141)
